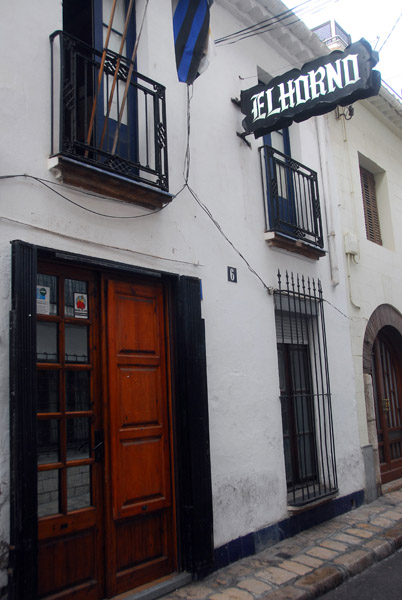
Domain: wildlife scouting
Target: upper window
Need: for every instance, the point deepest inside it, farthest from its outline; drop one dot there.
(371, 215)
(108, 120)
(292, 205)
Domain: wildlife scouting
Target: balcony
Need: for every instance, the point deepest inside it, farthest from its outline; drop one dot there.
(108, 124)
(292, 205)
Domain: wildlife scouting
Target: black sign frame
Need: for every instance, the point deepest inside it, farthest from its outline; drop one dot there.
(338, 79)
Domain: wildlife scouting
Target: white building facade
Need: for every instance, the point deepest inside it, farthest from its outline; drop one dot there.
(177, 377)
(367, 158)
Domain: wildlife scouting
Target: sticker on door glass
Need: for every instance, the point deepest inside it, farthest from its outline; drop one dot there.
(42, 300)
(80, 305)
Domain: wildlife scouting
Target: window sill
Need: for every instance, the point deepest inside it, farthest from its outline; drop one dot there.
(292, 509)
(278, 240)
(95, 180)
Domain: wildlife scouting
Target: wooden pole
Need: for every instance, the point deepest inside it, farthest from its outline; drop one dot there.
(101, 68)
(123, 39)
(126, 89)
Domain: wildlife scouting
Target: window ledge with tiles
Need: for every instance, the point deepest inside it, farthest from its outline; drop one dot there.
(275, 239)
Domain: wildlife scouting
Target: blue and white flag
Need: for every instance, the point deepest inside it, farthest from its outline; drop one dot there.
(192, 37)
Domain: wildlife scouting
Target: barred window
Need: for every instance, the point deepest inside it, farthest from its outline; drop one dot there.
(305, 394)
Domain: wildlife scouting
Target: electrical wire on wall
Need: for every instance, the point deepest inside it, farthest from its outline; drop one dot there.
(48, 184)
(186, 185)
(279, 20)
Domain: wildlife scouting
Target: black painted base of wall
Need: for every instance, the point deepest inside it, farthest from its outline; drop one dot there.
(259, 540)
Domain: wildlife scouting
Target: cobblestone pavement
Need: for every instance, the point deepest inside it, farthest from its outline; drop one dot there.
(311, 563)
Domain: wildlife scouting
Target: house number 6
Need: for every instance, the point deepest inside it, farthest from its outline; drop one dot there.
(232, 274)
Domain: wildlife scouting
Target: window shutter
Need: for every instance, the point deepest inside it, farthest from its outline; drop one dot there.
(291, 330)
(371, 217)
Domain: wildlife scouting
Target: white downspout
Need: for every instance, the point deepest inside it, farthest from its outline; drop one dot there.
(328, 198)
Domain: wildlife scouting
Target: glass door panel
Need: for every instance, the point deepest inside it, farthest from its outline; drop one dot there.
(78, 438)
(48, 440)
(66, 418)
(78, 487)
(77, 391)
(46, 342)
(47, 391)
(76, 343)
(48, 492)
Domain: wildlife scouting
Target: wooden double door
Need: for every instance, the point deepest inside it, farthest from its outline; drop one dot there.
(387, 380)
(104, 438)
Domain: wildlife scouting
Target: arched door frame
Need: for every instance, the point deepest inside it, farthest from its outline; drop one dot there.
(384, 315)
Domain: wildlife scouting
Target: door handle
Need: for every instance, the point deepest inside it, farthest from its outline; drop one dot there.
(98, 448)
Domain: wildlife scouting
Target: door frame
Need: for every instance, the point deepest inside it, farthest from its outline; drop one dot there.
(389, 471)
(384, 315)
(190, 422)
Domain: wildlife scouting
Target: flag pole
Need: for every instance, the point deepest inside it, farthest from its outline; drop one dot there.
(127, 87)
(101, 68)
(123, 39)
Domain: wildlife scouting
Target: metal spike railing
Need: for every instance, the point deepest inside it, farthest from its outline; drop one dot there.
(305, 390)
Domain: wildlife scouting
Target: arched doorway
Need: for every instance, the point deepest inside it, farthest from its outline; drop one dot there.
(387, 388)
(382, 368)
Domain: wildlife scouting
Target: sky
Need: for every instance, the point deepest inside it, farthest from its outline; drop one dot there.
(361, 18)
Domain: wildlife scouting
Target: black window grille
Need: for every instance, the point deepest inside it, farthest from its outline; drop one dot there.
(292, 203)
(111, 117)
(305, 394)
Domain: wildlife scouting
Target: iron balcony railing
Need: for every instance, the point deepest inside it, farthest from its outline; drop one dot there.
(292, 205)
(106, 114)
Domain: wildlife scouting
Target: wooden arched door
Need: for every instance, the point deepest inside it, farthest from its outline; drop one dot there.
(387, 383)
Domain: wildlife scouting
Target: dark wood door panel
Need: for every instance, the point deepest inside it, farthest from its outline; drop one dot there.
(139, 310)
(135, 382)
(139, 432)
(146, 486)
(66, 525)
(144, 549)
(388, 398)
(67, 566)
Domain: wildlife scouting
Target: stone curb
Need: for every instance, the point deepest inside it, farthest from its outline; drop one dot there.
(347, 565)
(394, 535)
(332, 555)
(334, 572)
(321, 580)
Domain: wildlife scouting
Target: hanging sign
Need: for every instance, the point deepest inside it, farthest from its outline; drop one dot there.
(318, 87)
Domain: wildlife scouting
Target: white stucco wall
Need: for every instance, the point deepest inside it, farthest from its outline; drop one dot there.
(248, 474)
(377, 277)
